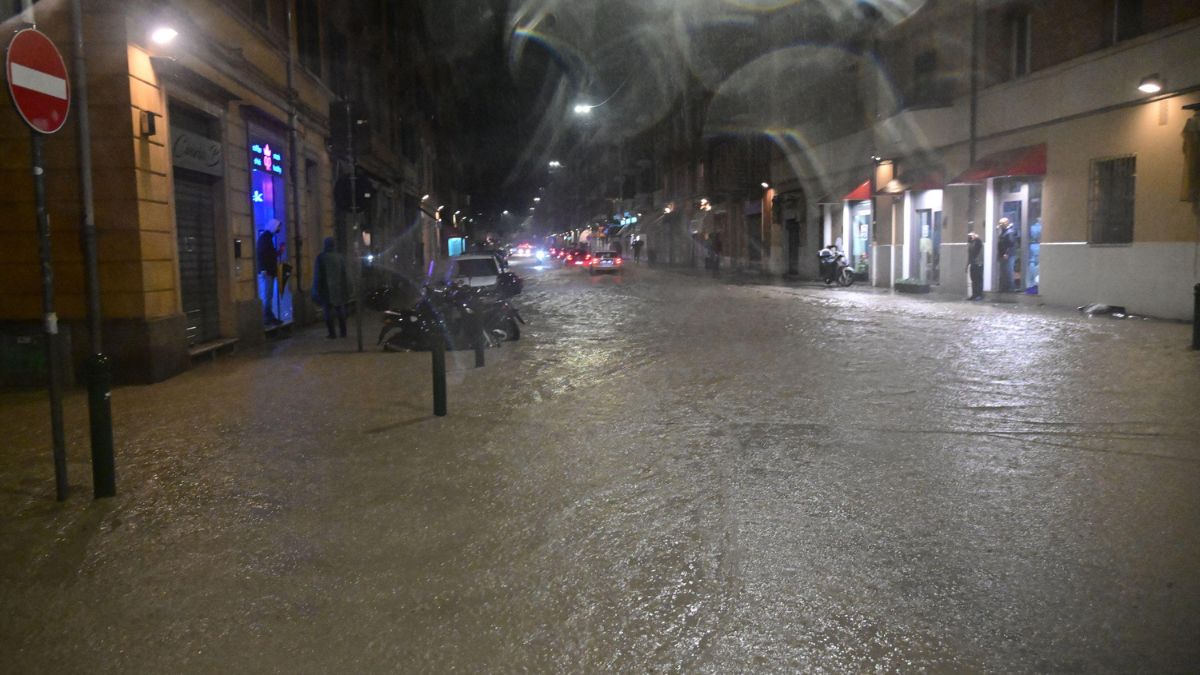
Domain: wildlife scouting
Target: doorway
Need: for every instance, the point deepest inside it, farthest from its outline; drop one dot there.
(194, 227)
(1020, 200)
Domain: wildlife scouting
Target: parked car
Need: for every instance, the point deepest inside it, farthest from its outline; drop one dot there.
(604, 261)
(477, 270)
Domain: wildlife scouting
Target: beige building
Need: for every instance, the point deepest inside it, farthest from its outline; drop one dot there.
(215, 160)
(1088, 167)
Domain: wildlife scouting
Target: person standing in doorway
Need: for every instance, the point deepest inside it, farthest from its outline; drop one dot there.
(1007, 249)
(331, 287)
(267, 251)
(975, 265)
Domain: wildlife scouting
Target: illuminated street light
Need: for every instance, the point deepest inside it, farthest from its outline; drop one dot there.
(424, 197)
(766, 186)
(505, 212)
(163, 35)
(439, 208)
(537, 199)
(1151, 84)
(555, 164)
(583, 109)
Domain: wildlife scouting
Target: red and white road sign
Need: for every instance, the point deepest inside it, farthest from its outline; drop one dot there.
(37, 81)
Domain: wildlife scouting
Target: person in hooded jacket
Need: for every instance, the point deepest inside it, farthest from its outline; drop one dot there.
(331, 287)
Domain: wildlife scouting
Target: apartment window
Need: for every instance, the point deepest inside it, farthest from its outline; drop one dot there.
(258, 12)
(1127, 19)
(1110, 200)
(308, 29)
(924, 76)
(1021, 43)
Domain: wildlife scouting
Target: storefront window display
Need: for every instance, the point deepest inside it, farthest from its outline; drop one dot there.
(269, 211)
(860, 237)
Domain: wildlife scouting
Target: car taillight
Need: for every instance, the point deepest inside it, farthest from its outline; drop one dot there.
(569, 258)
(618, 261)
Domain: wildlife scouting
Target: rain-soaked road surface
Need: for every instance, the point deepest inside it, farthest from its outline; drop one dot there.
(666, 474)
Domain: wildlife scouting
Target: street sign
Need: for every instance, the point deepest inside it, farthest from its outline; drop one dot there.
(37, 81)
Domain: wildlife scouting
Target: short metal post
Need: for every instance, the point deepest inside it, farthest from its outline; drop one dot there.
(104, 473)
(480, 344)
(1196, 317)
(438, 351)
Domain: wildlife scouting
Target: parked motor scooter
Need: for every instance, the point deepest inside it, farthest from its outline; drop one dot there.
(458, 315)
(834, 267)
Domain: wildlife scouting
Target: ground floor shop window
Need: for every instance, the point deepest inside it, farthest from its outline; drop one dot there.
(269, 208)
(860, 238)
(1110, 199)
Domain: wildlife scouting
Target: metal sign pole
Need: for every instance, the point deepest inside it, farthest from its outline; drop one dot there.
(50, 319)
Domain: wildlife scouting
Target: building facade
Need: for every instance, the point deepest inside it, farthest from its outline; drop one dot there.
(216, 160)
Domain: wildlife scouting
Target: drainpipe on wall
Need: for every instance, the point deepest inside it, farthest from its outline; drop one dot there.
(99, 367)
(294, 149)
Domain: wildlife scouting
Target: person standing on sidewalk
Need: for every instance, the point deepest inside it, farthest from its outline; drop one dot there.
(975, 265)
(331, 287)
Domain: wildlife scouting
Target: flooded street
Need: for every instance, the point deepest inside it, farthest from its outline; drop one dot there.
(666, 473)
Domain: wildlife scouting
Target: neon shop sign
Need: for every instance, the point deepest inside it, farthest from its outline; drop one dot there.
(265, 158)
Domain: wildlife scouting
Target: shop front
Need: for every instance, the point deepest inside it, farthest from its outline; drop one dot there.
(1012, 218)
(855, 234)
(268, 207)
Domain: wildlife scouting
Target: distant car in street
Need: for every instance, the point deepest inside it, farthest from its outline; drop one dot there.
(602, 262)
(523, 251)
(576, 257)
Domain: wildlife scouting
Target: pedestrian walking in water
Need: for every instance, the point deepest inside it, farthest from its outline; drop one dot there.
(975, 265)
(331, 287)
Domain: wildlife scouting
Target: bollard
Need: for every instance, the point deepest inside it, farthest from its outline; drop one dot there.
(480, 345)
(104, 475)
(438, 350)
(1196, 317)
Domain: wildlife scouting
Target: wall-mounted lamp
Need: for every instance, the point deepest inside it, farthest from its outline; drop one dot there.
(1151, 84)
(766, 185)
(163, 35)
(149, 123)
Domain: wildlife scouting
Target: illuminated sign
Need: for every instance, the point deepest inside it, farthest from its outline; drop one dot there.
(264, 158)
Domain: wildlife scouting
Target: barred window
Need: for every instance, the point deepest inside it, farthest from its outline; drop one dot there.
(1110, 200)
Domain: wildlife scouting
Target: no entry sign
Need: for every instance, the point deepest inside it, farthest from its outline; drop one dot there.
(37, 81)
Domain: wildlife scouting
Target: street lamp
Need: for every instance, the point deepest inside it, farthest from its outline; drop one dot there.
(424, 197)
(555, 164)
(766, 185)
(583, 109)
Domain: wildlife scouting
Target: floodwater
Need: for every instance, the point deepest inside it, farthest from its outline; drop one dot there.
(665, 474)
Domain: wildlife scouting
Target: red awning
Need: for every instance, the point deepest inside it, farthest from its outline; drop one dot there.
(1027, 161)
(859, 193)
